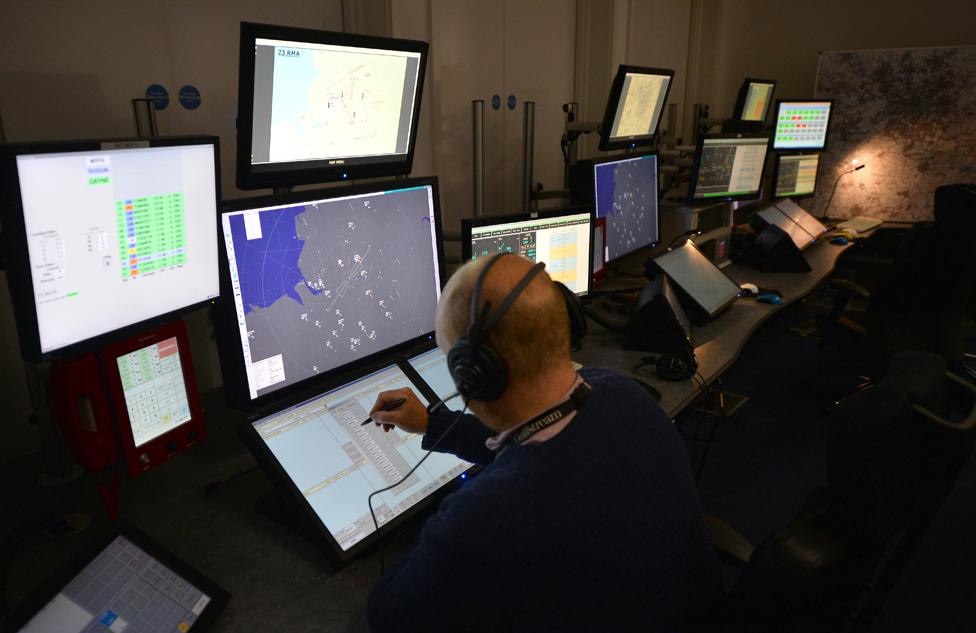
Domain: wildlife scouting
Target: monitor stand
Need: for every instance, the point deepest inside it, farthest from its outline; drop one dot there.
(284, 511)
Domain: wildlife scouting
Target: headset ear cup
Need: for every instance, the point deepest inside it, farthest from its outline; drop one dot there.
(478, 372)
(578, 326)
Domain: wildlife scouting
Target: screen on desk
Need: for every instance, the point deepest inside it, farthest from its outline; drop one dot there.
(432, 367)
(330, 278)
(154, 390)
(561, 239)
(754, 99)
(334, 461)
(806, 221)
(116, 237)
(701, 280)
(800, 238)
(318, 105)
(124, 588)
(796, 175)
(634, 107)
(626, 192)
(728, 167)
(801, 124)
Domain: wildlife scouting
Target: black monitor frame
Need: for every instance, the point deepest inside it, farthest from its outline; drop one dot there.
(812, 148)
(699, 148)
(225, 311)
(740, 100)
(467, 224)
(618, 159)
(695, 311)
(326, 170)
(279, 476)
(14, 240)
(613, 102)
(53, 585)
(778, 158)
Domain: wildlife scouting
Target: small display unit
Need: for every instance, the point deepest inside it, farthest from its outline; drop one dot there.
(800, 238)
(562, 239)
(317, 281)
(626, 192)
(636, 100)
(107, 237)
(154, 394)
(806, 221)
(802, 125)
(728, 167)
(318, 106)
(121, 581)
(704, 290)
(795, 175)
(322, 454)
(753, 101)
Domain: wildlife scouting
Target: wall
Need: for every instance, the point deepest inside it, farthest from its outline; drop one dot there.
(68, 70)
(781, 40)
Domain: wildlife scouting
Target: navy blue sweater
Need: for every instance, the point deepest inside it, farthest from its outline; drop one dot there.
(596, 529)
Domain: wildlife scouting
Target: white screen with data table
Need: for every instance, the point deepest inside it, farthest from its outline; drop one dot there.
(155, 392)
(116, 237)
(336, 462)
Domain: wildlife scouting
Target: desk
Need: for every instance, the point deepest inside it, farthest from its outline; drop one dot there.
(277, 579)
(717, 344)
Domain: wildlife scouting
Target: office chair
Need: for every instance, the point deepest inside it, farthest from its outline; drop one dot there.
(894, 452)
(927, 299)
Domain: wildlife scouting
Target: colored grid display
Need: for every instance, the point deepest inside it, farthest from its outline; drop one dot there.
(123, 589)
(155, 393)
(152, 233)
(801, 125)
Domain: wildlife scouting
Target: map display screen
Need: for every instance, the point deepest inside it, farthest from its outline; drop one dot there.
(626, 195)
(321, 102)
(324, 282)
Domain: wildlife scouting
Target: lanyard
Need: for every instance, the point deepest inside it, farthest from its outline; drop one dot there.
(551, 416)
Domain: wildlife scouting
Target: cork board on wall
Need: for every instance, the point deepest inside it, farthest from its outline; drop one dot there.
(909, 115)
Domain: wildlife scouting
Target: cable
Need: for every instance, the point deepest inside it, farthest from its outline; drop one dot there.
(369, 499)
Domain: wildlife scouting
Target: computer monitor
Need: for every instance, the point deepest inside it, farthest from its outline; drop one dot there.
(795, 175)
(704, 290)
(728, 167)
(107, 236)
(802, 124)
(321, 451)
(637, 98)
(755, 96)
(318, 280)
(561, 239)
(626, 192)
(121, 581)
(317, 106)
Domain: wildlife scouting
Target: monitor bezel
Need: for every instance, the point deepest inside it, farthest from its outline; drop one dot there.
(699, 148)
(248, 178)
(52, 586)
(226, 326)
(657, 169)
(613, 102)
(279, 476)
(812, 148)
(467, 224)
(14, 239)
(740, 100)
(776, 165)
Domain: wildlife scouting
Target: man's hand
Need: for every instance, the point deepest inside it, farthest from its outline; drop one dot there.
(411, 416)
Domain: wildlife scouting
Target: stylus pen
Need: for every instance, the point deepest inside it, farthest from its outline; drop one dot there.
(392, 405)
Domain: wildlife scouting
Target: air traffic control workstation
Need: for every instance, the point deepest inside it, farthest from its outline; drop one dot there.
(321, 297)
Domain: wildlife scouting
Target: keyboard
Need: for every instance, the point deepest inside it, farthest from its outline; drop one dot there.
(860, 224)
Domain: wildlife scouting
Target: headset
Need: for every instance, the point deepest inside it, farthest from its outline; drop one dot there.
(479, 372)
(677, 365)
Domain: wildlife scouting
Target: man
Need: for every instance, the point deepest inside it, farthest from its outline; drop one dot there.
(591, 523)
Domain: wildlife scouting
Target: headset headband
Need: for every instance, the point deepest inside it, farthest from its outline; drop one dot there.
(483, 323)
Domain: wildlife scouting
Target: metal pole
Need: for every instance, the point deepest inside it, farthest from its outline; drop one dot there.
(572, 147)
(143, 108)
(696, 122)
(478, 131)
(528, 154)
(672, 124)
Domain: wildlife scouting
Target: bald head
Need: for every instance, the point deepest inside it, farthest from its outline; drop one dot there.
(532, 337)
